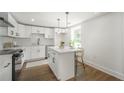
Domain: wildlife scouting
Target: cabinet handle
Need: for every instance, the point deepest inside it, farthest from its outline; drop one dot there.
(48, 55)
(12, 32)
(7, 65)
(53, 60)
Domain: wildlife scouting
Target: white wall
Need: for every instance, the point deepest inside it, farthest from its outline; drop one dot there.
(103, 43)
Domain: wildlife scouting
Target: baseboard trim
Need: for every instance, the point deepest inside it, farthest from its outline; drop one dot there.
(106, 70)
(32, 60)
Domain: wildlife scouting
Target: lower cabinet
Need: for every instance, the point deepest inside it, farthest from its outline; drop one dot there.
(5, 67)
(52, 59)
(27, 53)
(34, 52)
(62, 64)
(38, 52)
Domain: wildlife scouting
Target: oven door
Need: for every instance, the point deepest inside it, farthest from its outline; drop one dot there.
(19, 62)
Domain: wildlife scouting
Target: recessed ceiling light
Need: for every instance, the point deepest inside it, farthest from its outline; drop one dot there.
(32, 20)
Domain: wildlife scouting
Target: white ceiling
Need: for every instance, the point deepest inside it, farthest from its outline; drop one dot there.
(50, 18)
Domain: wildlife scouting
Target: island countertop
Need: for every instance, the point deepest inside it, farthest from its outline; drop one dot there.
(63, 50)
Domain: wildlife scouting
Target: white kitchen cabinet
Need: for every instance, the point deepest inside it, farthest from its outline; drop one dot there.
(42, 51)
(28, 30)
(52, 59)
(27, 53)
(21, 31)
(37, 30)
(3, 31)
(34, 30)
(24, 31)
(61, 63)
(12, 30)
(5, 67)
(37, 52)
(41, 29)
(49, 33)
(34, 52)
(9, 31)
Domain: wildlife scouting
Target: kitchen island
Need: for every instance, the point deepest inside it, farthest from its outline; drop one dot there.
(62, 62)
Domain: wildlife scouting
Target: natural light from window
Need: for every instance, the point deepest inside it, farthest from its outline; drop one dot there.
(76, 36)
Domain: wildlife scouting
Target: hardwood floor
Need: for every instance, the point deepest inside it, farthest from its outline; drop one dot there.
(44, 73)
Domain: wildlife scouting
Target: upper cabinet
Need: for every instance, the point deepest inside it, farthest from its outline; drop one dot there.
(24, 31)
(9, 31)
(12, 30)
(21, 30)
(49, 33)
(37, 30)
(28, 30)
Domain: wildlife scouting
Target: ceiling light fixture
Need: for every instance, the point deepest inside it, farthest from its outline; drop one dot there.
(63, 31)
(66, 30)
(32, 20)
(58, 25)
(66, 19)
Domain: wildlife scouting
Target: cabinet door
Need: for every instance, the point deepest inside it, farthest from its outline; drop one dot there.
(3, 31)
(28, 31)
(50, 59)
(37, 30)
(34, 30)
(41, 30)
(21, 30)
(12, 30)
(38, 52)
(33, 52)
(42, 52)
(49, 33)
(27, 53)
(8, 31)
(6, 68)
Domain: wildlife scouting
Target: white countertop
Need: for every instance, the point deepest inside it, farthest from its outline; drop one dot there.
(22, 47)
(14, 48)
(63, 50)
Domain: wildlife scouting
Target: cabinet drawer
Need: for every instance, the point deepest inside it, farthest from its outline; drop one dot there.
(4, 60)
(6, 68)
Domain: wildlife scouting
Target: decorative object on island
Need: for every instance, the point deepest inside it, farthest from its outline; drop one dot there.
(62, 44)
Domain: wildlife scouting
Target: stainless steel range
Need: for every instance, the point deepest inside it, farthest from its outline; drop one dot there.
(17, 60)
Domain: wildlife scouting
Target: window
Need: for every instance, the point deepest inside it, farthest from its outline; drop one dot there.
(76, 36)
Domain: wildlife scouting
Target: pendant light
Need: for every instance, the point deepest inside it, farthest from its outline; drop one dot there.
(63, 31)
(58, 29)
(67, 13)
(58, 25)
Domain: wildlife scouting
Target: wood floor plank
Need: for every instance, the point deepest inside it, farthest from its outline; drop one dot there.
(44, 73)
